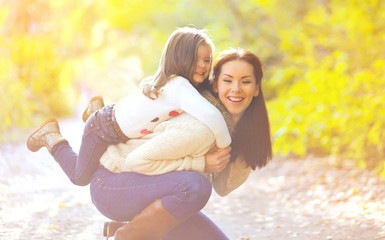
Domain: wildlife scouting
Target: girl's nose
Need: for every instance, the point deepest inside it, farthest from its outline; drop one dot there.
(201, 64)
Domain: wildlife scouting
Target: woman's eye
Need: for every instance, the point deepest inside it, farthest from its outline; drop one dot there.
(227, 80)
(246, 82)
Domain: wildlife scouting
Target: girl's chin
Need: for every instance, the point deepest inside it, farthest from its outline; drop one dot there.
(199, 79)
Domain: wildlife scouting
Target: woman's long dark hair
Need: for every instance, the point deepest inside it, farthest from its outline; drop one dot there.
(252, 133)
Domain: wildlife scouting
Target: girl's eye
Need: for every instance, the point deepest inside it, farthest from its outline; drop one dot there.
(227, 80)
(207, 61)
(246, 82)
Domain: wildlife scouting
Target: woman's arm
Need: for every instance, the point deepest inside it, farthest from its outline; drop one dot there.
(233, 176)
(176, 145)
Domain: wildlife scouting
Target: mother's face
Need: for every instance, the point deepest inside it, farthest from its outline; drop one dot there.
(236, 86)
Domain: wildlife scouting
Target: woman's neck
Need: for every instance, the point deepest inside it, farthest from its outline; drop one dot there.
(236, 118)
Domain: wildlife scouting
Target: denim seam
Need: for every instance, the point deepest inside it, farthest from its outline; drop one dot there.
(184, 193)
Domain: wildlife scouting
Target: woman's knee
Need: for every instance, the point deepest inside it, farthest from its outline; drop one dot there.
(196, 189)
(200, 186)
(189, 194)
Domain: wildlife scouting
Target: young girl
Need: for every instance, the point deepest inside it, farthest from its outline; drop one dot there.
(184, 64)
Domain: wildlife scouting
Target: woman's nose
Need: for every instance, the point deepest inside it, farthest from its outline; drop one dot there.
(235, 86)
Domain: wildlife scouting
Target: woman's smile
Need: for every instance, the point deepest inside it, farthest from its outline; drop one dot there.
(235, 99)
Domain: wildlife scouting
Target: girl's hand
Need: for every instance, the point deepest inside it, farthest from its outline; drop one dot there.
(217, 159)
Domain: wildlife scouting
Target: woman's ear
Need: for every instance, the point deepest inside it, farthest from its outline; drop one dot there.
(215, 86)
(256, 93)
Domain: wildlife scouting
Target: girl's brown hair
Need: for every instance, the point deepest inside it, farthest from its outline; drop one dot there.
(178, 59)
(252, 133)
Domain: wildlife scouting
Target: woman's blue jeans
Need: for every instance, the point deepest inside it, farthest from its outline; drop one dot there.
(121, 196)
(99, 133)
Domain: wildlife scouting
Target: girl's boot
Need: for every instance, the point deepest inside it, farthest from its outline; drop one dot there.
(95, 104)
(48, 135)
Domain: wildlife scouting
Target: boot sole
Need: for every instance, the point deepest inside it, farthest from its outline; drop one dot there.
(33, 147)
(110, 228)
(85, 115)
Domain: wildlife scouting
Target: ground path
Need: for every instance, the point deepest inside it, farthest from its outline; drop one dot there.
(289, 199)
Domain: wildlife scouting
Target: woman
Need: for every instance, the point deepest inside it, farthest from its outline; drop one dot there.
(168, 205)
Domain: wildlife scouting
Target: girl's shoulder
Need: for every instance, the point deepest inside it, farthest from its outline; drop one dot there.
(176, 83)
(177, 78)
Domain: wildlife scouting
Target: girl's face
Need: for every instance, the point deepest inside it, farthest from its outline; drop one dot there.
(203, 64)
(236, 87)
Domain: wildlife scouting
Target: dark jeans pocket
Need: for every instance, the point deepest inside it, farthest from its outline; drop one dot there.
(91, 125)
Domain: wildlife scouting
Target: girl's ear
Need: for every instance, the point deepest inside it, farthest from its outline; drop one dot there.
(215, 86)
(256, 93)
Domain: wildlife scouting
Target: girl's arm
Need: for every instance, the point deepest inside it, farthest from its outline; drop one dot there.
(233, 176)
(186, 97)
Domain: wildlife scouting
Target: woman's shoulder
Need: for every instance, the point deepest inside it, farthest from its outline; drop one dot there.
(217, 103)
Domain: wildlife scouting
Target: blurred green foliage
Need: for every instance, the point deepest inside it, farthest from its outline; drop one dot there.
(324, 62)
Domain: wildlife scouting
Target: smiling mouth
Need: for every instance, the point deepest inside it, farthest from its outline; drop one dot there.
(200, 74)
(235, 99)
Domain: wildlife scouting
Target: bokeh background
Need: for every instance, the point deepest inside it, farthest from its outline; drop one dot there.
(324, 63)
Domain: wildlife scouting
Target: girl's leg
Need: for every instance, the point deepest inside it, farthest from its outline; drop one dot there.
(198, 226)
(98, 134)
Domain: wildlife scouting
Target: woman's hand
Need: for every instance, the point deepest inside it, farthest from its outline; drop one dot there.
(217, 159)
